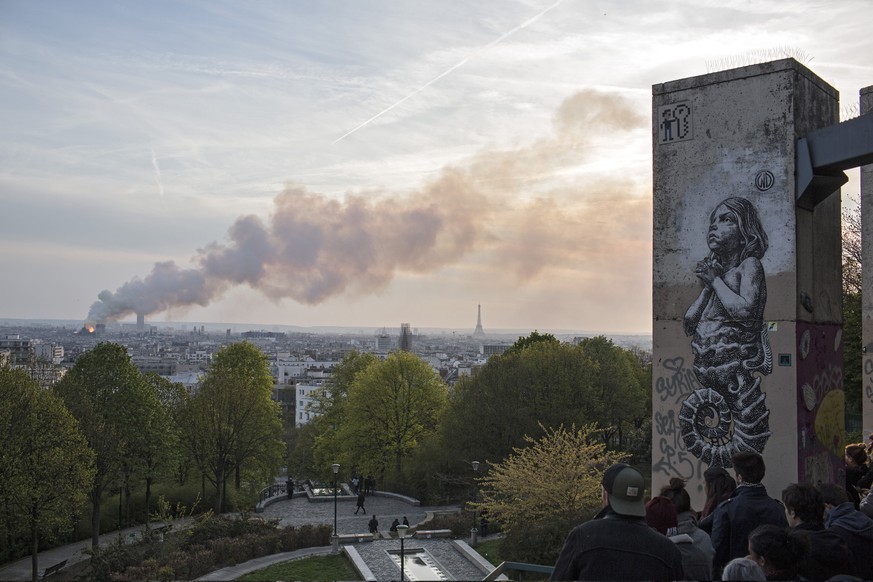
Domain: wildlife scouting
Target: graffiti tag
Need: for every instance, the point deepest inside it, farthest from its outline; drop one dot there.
(681, 383)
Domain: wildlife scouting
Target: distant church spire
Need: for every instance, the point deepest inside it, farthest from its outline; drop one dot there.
(479, 331)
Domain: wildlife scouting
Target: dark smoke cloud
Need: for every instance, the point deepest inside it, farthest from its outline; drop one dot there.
(313, 247)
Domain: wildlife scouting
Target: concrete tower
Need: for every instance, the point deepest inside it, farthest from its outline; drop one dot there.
(747, 330)
(866, 98)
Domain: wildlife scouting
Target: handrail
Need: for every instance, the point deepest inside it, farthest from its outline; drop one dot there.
(517, 567)
(274, 490)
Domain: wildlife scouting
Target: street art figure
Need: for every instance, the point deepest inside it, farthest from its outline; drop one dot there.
(730, 344)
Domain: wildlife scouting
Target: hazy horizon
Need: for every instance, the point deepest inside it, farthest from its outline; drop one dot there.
(241, 326)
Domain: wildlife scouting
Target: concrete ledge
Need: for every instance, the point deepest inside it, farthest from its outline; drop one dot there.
(476, 558)
(427, 534)
(398, 496)
(359, 564)
(356, 538)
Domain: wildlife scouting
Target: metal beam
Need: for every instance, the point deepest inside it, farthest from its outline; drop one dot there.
(821, 157)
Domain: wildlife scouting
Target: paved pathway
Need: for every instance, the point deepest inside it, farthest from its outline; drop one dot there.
(298, 511)
(72, 553)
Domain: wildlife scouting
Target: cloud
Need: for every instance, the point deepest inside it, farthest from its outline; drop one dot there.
(512, 208)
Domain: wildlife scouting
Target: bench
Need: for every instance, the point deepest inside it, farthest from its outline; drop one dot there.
(54, 569)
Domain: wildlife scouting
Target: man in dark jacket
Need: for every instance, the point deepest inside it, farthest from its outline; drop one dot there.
(748, 507)
(827, 554)
(854, 527)
(617, 544)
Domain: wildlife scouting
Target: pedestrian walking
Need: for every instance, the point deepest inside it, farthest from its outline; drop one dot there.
(360, 504)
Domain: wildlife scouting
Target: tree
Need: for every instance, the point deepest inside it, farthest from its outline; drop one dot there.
(527, 341)
(556, 474)
(157, 447)
(331, 405)
(543, 489)
(392, 405)
(547, 384)
(621, 400)
(108, 396)
(232, 421)
(46, 467)
(513, 395)
(852, 309)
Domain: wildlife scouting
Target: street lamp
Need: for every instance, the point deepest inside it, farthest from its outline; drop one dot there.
(335, 539)
(402, 530)
(474, 531)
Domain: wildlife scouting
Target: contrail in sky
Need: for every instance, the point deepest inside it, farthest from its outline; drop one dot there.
(463, 61)
(157, 172)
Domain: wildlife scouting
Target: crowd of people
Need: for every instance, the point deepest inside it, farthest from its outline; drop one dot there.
(814, 533)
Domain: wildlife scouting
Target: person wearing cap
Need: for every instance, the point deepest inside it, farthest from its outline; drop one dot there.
(748, 507)
(618, 544)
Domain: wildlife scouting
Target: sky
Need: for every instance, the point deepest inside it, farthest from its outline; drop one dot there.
(360, 163)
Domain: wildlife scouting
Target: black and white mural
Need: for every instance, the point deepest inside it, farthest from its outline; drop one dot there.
(731, 349)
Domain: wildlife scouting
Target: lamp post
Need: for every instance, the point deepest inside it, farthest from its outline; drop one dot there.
(474, 531)
(402, 530)
(335, 538)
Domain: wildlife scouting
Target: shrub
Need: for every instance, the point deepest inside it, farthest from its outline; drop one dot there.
(211, 543)
(460, 523)
(540, 542)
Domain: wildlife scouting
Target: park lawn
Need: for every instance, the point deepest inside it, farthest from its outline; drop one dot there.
(313, 569)
(488, 550)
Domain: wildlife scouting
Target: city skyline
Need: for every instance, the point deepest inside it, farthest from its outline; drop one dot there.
(359, 164)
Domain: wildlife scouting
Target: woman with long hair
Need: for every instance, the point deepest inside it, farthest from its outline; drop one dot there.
(719, 485)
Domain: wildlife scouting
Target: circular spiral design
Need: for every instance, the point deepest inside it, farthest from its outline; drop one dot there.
(712, 415)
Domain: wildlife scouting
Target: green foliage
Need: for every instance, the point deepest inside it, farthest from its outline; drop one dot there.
(547, 384)
(556, 475)
(157, 450)
(392, 405)
(301, 449)
(540, 542)
(853, 377)
(622, 388)
(108, 396)
(46, 467)
(212, 543)
(233, 426)
(534, 338)
(331, 406)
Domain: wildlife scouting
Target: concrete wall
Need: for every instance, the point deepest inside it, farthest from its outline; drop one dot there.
(866, 95)
(746, 287)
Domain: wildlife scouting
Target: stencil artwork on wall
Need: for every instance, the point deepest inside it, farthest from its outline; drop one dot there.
(730, 343)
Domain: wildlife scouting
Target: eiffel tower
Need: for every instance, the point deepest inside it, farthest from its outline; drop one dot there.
(479, 333)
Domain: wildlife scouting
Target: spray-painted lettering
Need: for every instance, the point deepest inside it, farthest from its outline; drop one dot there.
(678, 384)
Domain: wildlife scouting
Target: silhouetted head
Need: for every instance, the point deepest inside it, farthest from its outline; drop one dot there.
(676, 493)
(805, 502)
(749, 466)
(777, 549)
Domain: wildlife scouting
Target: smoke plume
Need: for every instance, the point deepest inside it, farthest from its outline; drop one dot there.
(514, 209)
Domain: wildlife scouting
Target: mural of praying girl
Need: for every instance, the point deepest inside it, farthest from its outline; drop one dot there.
(730, 344)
